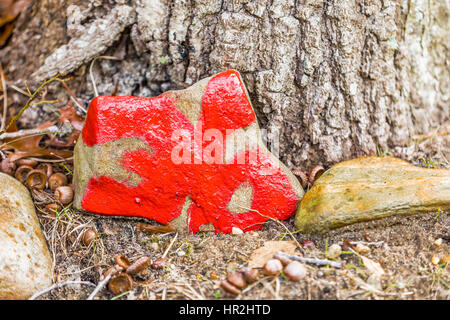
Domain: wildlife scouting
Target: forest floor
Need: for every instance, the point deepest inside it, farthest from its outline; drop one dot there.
(196, 263)
(403, 246)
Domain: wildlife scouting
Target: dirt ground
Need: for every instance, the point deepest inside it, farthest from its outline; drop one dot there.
(404, 248)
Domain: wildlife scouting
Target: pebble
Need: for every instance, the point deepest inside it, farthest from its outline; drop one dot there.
(235, 230)
(25, 261)
(295, 271)
(334, 251)
(438, 242)
(362, 248)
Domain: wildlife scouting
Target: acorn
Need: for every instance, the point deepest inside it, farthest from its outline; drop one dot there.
(139, 265)
(295, 271)
(89, 236)
(53, 208)
(22, 172)
(36, 179)
(7, 167)
(64, 194)
(45, 167)
(315, 173)
(250, 274)
(114, 269)
(302, 176)
(230, 288)
(237, 279)
(122, 261)
(26, 162)
(273, 267)
(120, 283)
(56, 180)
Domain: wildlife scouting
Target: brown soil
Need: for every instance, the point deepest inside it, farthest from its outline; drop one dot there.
(198, 262)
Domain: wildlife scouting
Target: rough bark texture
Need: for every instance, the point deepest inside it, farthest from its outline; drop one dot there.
(335, 77)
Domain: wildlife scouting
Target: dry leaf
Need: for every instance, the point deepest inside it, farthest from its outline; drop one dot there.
(69, 114)
(372, 266)
(259, 257)
(28, 146)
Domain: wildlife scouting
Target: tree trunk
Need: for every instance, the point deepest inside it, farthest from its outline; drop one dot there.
(335, 77)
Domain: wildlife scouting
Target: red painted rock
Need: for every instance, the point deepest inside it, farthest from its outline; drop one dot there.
(187, 158)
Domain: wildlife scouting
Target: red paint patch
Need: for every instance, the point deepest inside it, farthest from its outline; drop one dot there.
(161, 194)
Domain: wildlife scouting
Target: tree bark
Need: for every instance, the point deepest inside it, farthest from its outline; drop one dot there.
(335, 78)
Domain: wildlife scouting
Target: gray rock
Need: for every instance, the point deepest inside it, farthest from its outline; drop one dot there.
(25, 261)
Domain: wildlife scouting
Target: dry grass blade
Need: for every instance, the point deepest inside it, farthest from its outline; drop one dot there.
(280, 223)
(5, 99)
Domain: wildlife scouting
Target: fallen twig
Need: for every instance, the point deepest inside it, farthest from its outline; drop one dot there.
(59, 285)
(376, 244)
(27, 132)
(32, 96)
(92, 75)
(5, 99)
(317, 262)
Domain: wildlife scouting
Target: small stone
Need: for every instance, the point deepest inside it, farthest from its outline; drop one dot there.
(362, 248)
(334, 251)
(369, 188)
(435, 260)
(273, 267)
(154, 246)
(25, 262)
(295, 271)
(237, 279)
(438, 242)
(235, 230)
